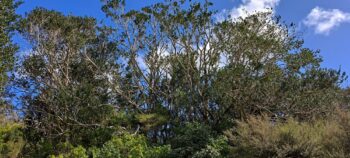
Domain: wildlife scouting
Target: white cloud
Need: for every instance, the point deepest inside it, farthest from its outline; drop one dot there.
(222, 15)
(251, 6)
(323, 21)
(142, 63)
(223, 61)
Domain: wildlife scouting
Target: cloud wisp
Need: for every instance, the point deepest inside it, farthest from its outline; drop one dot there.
(323, 21)
(247, 8)
(251, 6)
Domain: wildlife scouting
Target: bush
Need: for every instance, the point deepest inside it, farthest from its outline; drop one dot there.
(78, 152)
(197, 140)
(216, 148)
(11, 140)
(259, 137)
(123, 146)
(130, 146)
(189, 139)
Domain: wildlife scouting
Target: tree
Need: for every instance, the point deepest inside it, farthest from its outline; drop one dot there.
(167, 74)
(269, 71)
(11, 140)
(67, 68)
(214, 72)
(8, 18)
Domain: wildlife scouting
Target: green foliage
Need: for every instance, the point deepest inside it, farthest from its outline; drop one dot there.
(8, 21)
(11, 139)
(130, 146)
(199, 141)
(150, 121)
(8, 18)
(216, 148)
(259, 137)
(189, 139)
(176, 79)
(269, 70)
(72, 103)
(78, 152)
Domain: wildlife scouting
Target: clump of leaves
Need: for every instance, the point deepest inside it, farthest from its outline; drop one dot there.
(11, 140)
(130, 146)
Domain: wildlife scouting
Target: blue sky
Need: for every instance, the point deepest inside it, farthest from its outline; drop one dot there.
(324, 24)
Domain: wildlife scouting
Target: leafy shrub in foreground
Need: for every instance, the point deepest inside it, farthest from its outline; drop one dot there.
(130, 146)
(259, 137)
(216, 148)
(11, 140)
(78, 152)
(123, 146)
(197, 140)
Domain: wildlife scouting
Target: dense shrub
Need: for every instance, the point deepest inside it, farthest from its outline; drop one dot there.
(197, 140)
(260, 137)
(130, 146)
(216, 148)
(123, 146)
(78, 152)
(11, 140)
(189, 139)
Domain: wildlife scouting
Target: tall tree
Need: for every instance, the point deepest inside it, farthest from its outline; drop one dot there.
(159, 69)
(201, 70)
(8, 18)
(67, 68)
(10, 131)
(270, 71)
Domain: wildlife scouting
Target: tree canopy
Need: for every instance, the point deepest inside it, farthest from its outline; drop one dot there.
(168, 80)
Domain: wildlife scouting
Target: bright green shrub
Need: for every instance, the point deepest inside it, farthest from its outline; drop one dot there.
(11, 140)
(123, 146)
(216, 148)
(129, 146)
(78, 152)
